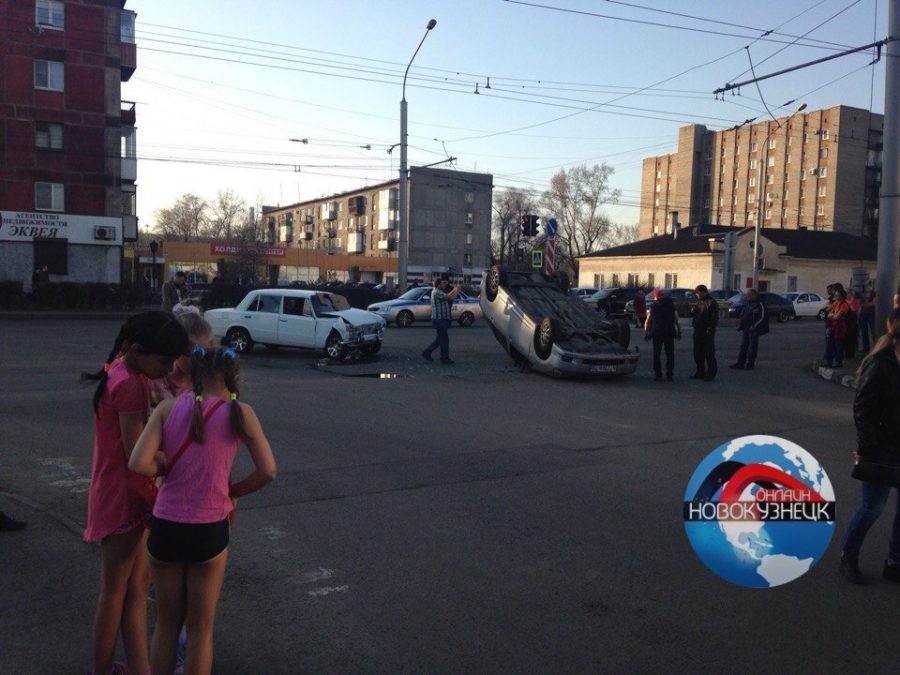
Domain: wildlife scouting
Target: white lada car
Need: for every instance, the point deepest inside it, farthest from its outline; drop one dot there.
(298, 318)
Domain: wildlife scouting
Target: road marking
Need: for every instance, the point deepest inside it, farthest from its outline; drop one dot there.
(273, 532)
(316, 575)
(327, 590)
(62, 473)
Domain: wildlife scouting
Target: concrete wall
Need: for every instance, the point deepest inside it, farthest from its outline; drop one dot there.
(692, 269)
(87, 264)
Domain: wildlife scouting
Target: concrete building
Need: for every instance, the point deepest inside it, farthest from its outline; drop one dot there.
(449, 226)
(792, 260)
(821, 170)
(67, 140)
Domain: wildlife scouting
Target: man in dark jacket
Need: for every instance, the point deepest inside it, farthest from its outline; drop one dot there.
(662, 326)
(754, 322)
(705, 319)
(174, 291)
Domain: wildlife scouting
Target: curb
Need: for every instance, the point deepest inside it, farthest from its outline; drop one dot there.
(838, 376)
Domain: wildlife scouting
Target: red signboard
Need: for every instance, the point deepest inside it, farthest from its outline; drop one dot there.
(224, 248)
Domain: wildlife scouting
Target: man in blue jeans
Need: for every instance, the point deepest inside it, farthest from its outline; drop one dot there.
(753, 323)
(440, 319)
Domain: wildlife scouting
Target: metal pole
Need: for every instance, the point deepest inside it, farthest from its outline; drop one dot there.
(889, 203)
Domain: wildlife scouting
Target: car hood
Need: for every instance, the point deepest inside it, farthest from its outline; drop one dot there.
(354, 316)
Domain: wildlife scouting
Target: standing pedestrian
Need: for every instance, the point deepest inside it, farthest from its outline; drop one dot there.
(753, 323)
(705, 319)
(440, 319)
(663, 327)
(174, 291)
(836, 328)
(876, 412)
(867, 316)
(854, 305)
(199, 435)
(640, 307)
(119, 501)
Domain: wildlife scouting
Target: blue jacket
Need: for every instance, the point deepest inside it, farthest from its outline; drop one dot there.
(755, 318)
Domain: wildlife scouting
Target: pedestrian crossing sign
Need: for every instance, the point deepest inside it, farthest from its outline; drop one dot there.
(537, 259)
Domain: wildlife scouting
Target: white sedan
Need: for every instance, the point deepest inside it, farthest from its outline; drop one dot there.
(808, 304)
(415, 305)
(298, 318)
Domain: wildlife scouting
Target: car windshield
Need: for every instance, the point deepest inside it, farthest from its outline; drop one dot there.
(737, 297)
(604, 294)
(413, 294)
(328, 302)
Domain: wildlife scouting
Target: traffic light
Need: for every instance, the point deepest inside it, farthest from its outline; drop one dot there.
(529, 225)
(520, 255)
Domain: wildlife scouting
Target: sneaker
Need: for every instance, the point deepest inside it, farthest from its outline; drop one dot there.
(427, 356)
(8, 524)
(850, 571)
(737, 366)
(448, 362)
(891, 572)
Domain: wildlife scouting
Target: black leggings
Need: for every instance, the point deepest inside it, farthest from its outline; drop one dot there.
(172, 542)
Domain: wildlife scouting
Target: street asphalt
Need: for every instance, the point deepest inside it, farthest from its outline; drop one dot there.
(455, 519)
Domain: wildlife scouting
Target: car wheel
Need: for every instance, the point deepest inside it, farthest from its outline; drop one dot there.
(545, 334)
(822, 314)
(623, 333)
(405, 319)
(271, 347)
(467, 319)
(783, 316)
(334, 347)
(239, 340)
(371, 350)
(496, 278)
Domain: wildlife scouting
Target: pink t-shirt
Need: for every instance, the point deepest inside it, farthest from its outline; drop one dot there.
(195, 490)
(118, 499)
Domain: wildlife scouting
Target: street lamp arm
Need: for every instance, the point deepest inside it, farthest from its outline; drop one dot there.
(431, 24)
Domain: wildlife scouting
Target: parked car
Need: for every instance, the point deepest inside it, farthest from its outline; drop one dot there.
(808, 304)
(415, 305)
(724, 294)
(298, 318)
(610, 303)
(582, 291)
(777, 306)
(538, 323)
(683, 298)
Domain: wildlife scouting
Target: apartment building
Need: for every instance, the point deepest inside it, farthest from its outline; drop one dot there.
(67, 140)
(815, 170)
(449, 225)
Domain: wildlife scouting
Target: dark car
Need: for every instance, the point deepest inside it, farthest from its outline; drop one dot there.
(726, 294)
(683, 298)
(778, 306)
(610, 302)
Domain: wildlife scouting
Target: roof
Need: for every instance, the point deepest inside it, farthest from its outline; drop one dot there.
(797, 243)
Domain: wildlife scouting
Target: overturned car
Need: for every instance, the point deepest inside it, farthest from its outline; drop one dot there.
(556, 333)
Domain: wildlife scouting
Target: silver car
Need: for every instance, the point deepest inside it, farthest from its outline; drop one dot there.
(556, 333)
(415, 305)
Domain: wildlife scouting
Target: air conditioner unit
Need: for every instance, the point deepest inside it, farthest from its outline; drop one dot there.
(104, 233)
(770, 196)
(306, 236)
(813, 172)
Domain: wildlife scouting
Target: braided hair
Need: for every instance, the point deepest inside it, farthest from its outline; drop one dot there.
(156, 332)
(205, 365)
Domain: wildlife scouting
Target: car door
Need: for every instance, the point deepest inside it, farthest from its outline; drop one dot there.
(263, 317)
(816, 303)
(296, 325)
(802, 305)
(422, 308)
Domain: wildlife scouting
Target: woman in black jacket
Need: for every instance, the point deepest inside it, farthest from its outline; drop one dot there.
(876, 412)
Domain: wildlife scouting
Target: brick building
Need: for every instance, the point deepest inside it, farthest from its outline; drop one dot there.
(449, 225)
(67, 140)
(821, 171)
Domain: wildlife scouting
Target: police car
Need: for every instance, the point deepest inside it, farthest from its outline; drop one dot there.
(415, 305)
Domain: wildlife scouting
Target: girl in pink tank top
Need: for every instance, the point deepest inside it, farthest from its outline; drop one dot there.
(193, 440)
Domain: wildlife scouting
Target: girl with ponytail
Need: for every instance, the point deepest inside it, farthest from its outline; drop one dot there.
(119, 501)
(194, 438)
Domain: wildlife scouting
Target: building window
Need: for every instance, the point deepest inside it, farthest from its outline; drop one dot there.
(771, 161)
(467, 258)
(469, 238)
(787, 178)
(615, 280)
(752, 163)
(823, 171)
(671, 281)
(657, 187)
(49, 75)
(802, 193)
(49, 14)
(656, 202)
(602, 281)
(48, 135)
(52, 254)
(49, 196)
(792, 284)
(802, 210)
(786, 195)
(787, 158)
(770, 179)
(790, 141)
(771, 144)
(706, 203)
(724, 153)
(751, 215)
(824, 134)
(822, 190)
(721, 202)
(596, 281)
(707, 170)
(753, 147)
(470, 198)
(805, 136)
(768, 214)
(129, 204)
(126, 27)
(823, 153)
(784, 213)
(658, 175)
(820, 210)
(751, 198)
(752, 181)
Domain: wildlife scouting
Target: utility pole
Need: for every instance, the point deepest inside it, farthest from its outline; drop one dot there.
(889, 203)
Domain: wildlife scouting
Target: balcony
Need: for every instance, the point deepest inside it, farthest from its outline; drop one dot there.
(355, 242)
(128, 58)
(388, 220)
(386, 245)
(128, 114)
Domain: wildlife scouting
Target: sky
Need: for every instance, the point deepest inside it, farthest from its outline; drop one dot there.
(223, 86)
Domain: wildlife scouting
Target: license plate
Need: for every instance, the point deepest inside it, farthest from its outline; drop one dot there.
(603, 369)
(369, 338)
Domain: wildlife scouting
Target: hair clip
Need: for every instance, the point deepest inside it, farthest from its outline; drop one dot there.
(233, 396)
(200, 351)
(199, 398)
(229, 353)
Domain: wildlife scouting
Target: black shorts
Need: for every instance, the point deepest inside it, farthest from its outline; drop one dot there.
(172, 542)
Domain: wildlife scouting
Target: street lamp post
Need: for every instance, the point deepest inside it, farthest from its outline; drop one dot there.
(403, 247)
(764, 158)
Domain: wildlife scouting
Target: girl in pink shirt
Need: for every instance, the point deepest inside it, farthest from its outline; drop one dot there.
(194, 438)
(119, 501)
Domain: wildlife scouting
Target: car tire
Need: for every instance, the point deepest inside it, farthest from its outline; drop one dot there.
(466, 319)
(623, 333)
(496, 278)
(239, 340)
(545, 334)
(371, 350)
(405, 319)
(334, 347)
(822, 314)
(783, 316)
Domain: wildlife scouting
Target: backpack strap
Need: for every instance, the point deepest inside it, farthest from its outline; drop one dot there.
(187, 441)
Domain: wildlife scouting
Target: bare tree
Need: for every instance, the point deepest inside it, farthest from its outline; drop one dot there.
(509, 206)
(229, 214)
(184, 220)
(575, 199)
(620, 234)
